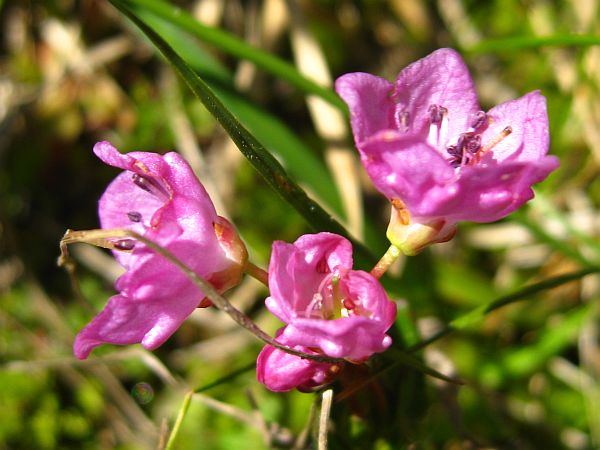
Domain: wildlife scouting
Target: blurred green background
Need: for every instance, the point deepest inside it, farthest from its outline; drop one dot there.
(76, 72)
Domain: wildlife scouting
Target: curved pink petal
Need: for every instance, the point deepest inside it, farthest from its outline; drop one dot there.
(529, 139)
(149, 320)
(295, 270)
(368, 98)
(407, 168)
(487, 194)
(442, 79)
(279, 371)
(356, 337)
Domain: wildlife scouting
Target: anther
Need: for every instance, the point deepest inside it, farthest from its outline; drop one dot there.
(402, 118)
(436, 114)
(478, 120)
(124, 244)
(149, 185)
(134, 216)
(454, 150)
(348, 304)
(322, 266)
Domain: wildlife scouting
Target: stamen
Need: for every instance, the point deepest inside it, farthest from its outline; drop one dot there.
(134, 216)
(315, 305)
(454, 150)
(348, 304)
(436, 114)
(402, 118)
(438, 120)
(124, 244)
(150, 185)
(491, 144)
(478, 120)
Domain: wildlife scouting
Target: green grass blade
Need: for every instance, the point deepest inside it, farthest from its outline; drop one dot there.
(479, 313)
(238, 48)
(523, 42)
(275, 135)
(254, 151)
(476, 315)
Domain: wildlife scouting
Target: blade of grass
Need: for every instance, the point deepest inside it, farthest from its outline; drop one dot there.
(478, 313)
(238, 48)
(254, 151)
(274, 134)
(185, 405)
(522, 42)
(230, 376)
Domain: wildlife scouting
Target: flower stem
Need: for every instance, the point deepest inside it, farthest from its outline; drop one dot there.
(386, 261)
(257, 273)
(106, 239)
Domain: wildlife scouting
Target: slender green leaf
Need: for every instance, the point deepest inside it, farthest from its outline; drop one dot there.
(224, 379)
(254, 151)
(277, 137)
(238, 48)
(478, 314)
(409, 360)
(521, 42)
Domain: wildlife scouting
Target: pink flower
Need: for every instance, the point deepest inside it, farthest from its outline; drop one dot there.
(327, 307)
(160, 198)
(281, 372)
(440, 159)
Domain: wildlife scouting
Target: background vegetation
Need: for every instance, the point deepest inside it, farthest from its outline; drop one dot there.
(73, 73)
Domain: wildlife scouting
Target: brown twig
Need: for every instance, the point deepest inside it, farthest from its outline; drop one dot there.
(108, 239)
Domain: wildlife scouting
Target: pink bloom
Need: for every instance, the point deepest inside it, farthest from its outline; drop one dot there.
(429, 148)
(328, 308)
(160, 198)
(279, 371)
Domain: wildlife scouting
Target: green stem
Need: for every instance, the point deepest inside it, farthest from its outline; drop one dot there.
(386, 261)
(182, 412)
(257, 273)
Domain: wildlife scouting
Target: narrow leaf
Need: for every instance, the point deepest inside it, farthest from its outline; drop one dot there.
(238, 48)
(254, 151)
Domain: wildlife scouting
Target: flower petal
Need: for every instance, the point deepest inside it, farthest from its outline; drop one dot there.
(528, 119)
(368, 99)
(355, 337)
(279, 371)
(442, 79)
(407, 168)
(150, 320)
(296, 270)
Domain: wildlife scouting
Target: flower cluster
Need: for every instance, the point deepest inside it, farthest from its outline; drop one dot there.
(427, 146)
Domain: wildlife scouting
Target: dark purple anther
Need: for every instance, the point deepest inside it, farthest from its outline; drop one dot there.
(455, 151)
(469, 141)
(403, 118)
(125, 244)
(478, 120)
(149, 185)
(473, 144)
(436, 114)
(134, 216)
